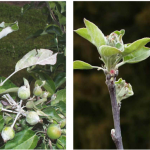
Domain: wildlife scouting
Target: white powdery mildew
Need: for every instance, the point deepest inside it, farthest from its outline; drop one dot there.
(5, 31)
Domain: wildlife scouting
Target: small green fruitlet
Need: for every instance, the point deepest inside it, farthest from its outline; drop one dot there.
(23, 92)
(37, 90)
(7, 133)
(32, 118)
(54, 131)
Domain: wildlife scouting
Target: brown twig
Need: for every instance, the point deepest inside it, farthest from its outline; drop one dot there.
(116, 134)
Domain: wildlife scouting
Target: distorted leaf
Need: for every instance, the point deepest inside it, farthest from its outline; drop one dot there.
(138, 55)
(6, 28)
(35, 57)
(97, 37)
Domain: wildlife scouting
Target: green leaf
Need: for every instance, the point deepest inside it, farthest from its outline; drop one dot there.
(84, 33)
(62, 107)
(53, 29)
(97, 37)
(60, 79)
(110, 56)
(25, 139)
(129, 48)
(62, 141)
(137, 56)
(123, 90)
(81, 65)
(1, 122)
(60, 96)
(8, 87)
(35, 57)
(63, 6)
(108, 51)
(49, 83)
(37, 33)
(51, 112)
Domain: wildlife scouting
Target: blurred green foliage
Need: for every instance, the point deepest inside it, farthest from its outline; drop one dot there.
(92, 108)
(15, 46)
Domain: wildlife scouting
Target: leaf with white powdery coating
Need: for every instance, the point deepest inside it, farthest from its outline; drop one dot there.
(84, 33)
(97, 37)
(137, 56)
(34, 57)
(135, 46)
(81, 65)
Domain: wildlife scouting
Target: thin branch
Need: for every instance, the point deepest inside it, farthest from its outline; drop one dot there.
(116, 134)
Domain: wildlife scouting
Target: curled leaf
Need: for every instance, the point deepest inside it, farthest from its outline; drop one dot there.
(123, 90)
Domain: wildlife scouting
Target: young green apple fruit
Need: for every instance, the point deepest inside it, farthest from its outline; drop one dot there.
(7, 133)
(37, 90)
(23, 92)
(54, 131)
(32, 118)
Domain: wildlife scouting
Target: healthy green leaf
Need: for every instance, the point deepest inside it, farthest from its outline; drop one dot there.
(60, 79)
(60, 96)
(8, 87)
(51, 112)
(129, 48)
(62, 107)
(138, 55)
(81, 65)
(1, 122)
(97, 37)
(49, 83)
(62, 141)
(25, 139)
(53, 29)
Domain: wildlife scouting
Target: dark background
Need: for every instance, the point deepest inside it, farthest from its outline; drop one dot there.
(92, 108)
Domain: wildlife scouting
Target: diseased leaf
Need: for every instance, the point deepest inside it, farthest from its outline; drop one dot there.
(110, 56)
(123, 90)
(34, 57)
(97, 37)
(6, 28)
(81, 65)
(135, 46)
(108, 51)
(25, 139)
(138, 55)
(84, 33)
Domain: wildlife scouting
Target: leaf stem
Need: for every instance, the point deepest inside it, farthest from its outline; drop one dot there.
(7, 78)
(120, 64)
(117, 138)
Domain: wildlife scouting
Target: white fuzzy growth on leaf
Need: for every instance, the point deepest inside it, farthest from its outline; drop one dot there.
(5, 31)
